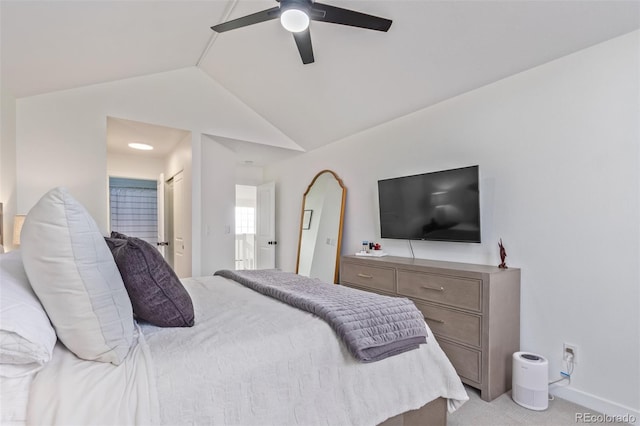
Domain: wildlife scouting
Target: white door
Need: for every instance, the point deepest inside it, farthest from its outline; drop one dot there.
(162, 243)
(179, 260)
(168, 222)
(266, 226)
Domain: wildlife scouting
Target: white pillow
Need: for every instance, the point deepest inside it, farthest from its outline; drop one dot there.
(26, 335)
(72, 271)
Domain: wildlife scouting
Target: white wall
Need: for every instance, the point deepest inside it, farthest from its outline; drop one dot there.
(8, 193)
(61, 136)
(249, 175)
(134, 166)
(61, 143)
(218, 206)
(180, 158)
(558, 153)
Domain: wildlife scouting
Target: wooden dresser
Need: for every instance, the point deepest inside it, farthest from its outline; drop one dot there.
(473, 310)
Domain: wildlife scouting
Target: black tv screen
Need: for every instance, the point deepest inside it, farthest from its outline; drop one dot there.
(438, 206)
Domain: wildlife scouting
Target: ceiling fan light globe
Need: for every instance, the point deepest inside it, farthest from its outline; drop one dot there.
(294, 20)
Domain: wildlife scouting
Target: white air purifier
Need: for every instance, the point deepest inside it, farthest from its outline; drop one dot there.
(530, 381)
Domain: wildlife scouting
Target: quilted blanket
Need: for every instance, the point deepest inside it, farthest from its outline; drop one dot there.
(372, 326)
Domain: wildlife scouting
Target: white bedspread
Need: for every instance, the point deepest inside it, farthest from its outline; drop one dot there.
(249, 360)
(72, 391)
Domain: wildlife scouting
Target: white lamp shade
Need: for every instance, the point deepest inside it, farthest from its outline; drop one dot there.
(18, 221)
(294, 20)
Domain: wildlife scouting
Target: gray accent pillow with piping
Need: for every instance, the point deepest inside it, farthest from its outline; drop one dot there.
(156, 293)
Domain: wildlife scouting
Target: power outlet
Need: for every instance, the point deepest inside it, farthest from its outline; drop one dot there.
(570, 349)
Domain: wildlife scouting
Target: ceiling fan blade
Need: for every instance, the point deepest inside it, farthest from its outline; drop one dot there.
(254, 18)
(303, 41)
(337, 15)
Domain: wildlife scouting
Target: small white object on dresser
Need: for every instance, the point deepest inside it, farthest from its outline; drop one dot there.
(371, 253)
(473, 310)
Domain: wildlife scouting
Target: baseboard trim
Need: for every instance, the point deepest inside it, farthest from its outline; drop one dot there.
(597, 404)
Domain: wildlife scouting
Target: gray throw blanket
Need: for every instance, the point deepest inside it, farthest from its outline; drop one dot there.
(372, 326)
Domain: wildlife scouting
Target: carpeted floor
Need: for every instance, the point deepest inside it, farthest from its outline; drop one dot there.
(502, 411)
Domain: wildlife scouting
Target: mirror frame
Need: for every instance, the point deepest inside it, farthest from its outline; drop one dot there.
(339, 243)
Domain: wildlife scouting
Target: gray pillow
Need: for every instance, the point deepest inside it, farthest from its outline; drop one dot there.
(115, 234)
(156, 293)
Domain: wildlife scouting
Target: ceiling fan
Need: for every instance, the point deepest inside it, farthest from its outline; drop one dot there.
(295, 16)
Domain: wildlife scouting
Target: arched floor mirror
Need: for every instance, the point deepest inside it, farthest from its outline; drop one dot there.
(321, 223)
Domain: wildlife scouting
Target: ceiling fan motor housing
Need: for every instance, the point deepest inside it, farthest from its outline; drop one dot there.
(304, 5)
(305, 11)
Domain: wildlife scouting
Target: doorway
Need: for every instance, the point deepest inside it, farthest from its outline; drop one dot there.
(245, 218)
(171, 157)
(167, 219)
(174, 223)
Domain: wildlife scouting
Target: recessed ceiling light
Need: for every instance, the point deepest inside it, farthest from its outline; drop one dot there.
(142, 146)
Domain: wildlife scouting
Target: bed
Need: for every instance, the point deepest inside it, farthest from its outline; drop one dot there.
(248, 359)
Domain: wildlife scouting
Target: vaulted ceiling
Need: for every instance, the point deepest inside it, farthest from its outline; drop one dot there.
(434, 50)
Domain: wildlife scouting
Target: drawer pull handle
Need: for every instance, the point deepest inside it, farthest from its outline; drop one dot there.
(434, 320)
(433, 288)
(364, 276)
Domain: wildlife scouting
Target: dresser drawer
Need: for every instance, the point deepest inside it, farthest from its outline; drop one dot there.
(370, 290)
(369, 276)
(467, 362)
(459, 292)
(454, 325)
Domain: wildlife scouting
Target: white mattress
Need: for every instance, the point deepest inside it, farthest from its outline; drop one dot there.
(249, 360)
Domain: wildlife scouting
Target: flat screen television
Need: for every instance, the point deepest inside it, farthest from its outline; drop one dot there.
(437, 206)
